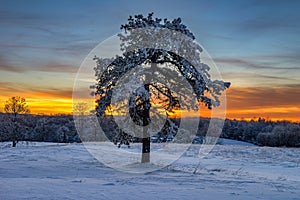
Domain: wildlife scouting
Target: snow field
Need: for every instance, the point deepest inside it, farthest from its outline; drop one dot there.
(230, 171)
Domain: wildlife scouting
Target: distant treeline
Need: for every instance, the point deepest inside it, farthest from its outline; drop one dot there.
(261, 132)
(61, 128)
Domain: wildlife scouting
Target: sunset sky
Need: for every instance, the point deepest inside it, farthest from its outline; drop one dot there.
(255, 44)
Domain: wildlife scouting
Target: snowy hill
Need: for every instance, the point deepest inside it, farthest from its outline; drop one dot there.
(223, 141)
(68, 171)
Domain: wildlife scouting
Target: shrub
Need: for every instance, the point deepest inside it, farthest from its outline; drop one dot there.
(292, 138)
(264, 139)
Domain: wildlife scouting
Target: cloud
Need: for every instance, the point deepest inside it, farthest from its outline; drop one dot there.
(10, 68)
(22, 89)
(51, 92)
(244, 98)
(34, 32)
(57, 67)
(251, 65)
(6, 66)
(277, 103)
(39, 65)
(269, 15)
(261, 24)
(12, 89)
(252, 76)
(10, 17)
(49, 67)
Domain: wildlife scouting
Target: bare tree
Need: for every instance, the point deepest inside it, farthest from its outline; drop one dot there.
(16, 106)
(169, 48)
(84, 120)
(81, 108)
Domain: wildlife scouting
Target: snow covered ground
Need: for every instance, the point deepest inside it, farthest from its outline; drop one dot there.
(233, 170)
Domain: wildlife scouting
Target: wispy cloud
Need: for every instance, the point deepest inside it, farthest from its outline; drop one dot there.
(11, 89)
(57, 67)
(6, 66)
(253, 76)
(263, 97)
(270, 15)
(251, 65)
(38, 67)
(275, 103)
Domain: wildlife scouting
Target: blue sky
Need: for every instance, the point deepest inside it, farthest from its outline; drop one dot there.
(42, 43)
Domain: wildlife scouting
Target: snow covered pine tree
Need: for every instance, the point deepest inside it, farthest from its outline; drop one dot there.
(166, 46)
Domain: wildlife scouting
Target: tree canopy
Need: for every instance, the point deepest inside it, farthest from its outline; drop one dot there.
(165, 48)
(16, 105)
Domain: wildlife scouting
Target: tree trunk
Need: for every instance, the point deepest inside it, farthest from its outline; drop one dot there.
(146, 136)
(146, 146)
(146, 117)
(14, 140)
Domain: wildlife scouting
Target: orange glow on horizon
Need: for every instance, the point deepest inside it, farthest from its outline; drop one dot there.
(64, 106)
(50, 106)
(47, 106)
(242, 104)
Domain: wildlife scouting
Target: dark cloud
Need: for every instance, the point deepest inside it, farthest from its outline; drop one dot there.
(10, 68)
(11, 17)
(270, 15)
(38, 65)
(44, 92)
(295, 56)
(71, 47)
(253, 76)
(53, 92)
(56, 32)
(48, 67)
(263, 24)
(6, 66)
(7, 86)
(58, 67)
(252, 65)
(12, 89)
